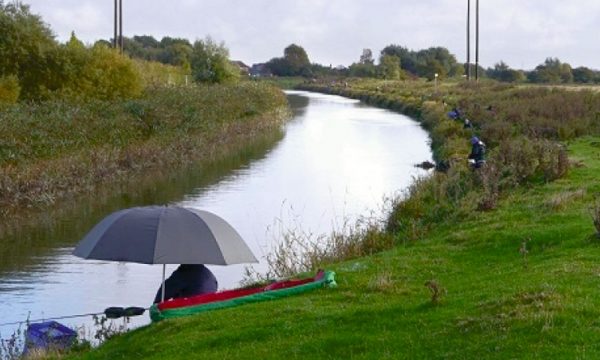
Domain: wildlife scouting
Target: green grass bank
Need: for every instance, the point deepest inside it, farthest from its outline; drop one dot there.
(496, 300)
(55, 150)
(500, 263)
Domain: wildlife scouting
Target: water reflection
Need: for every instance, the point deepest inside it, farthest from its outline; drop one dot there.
(337, 160)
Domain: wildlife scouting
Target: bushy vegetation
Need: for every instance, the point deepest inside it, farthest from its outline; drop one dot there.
(170, 51)
(205, 60)
(59, 147)
(34, 66)
(9, 89)
(97, 72)
(522, 127)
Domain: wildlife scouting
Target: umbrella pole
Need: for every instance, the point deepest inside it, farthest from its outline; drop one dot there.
(163, 283)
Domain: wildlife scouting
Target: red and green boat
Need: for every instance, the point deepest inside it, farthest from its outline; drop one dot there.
(229, 298)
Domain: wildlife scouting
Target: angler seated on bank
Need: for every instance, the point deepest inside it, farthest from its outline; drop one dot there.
(188, 280)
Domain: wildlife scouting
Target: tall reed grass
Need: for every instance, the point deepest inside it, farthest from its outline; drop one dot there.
(55, 148)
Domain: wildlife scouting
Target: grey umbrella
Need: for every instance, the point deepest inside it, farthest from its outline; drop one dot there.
(165, 235)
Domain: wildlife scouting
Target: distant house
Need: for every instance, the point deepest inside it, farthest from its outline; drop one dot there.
(244, 69)
(260, 70)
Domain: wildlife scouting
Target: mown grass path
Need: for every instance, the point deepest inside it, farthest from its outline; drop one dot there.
(499, 298)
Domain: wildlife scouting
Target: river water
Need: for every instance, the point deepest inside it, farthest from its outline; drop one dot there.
(337, 160)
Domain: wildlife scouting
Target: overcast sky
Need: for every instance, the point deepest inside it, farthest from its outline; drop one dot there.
(520, 32)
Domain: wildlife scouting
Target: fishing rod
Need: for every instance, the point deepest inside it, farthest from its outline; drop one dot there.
(113, 312)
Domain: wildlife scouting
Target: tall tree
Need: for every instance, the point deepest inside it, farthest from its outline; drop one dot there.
(502, 72)
(294, 62)
(366, 57)
(389, 67)
(408, 58)
(25, 45)
(297, 59)
(365, 67)
(210, 62)
(551, 71)
(437, 60)
(584, 75)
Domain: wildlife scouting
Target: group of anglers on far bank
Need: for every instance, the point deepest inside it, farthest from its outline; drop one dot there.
(476, 157)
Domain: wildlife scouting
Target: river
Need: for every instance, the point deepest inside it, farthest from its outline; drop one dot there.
(337, 160)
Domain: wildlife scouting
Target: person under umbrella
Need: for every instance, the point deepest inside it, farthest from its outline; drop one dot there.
(168, 235)
(188, 280)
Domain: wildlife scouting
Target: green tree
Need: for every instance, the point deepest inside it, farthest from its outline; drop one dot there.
(437, 60)
(427, 62)
(108, 75)
(551, 71)
(297, 59)
(146, 41)
(502, 72)
(362, 70)
(430, 67)
(294, 62)
(389, 67)
(408, 58)
(98, 72)
(103, 42)
(174, 51)
(584, 75)
(25, 44)
(366, 58)
(365, 67)
(210, 62)
(176, 54)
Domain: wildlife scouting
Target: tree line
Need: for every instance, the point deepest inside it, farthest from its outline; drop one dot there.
(397, 62)
(551, 71)
(206, 60)
(35, 66)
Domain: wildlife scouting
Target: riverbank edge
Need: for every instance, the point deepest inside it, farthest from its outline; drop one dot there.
(56, 183)
(492, 295)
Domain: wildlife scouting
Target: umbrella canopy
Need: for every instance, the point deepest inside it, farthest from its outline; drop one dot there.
(165, 235)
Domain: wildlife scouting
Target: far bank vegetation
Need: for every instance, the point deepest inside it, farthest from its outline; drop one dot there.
(73, 116)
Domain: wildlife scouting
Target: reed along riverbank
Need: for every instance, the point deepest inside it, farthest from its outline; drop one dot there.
(55, 150)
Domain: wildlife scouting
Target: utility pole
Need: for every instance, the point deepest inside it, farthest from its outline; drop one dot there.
(121, 24)
(476, 40)
(116, 15)
(118, 36)
(468, 40)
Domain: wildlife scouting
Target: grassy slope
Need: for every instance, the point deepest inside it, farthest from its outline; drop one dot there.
(494, 305)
